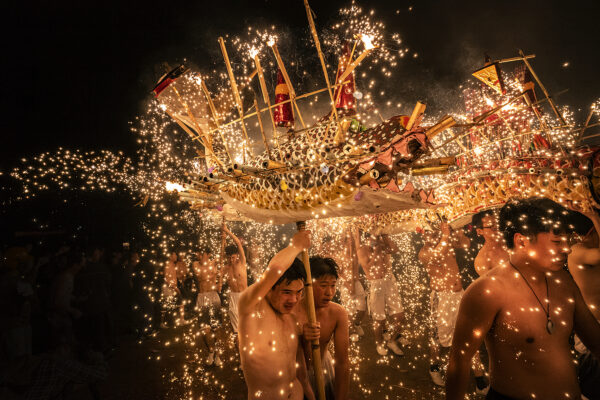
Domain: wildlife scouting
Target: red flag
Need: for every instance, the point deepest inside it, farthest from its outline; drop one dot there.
(168, 78)
(282, 113)
(345, 99)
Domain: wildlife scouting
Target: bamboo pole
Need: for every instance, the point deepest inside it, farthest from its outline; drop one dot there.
(507, 60)
(275, 105)
(312, 318)
(338, 136)
(195, 137)
(193, 118)
(215, 116)
(417, 112)
(554, 108)
(262, 129)
(355, 63)
(313, 30)
(267, 100)
(585, 126)
(236, 95)
(286, 78)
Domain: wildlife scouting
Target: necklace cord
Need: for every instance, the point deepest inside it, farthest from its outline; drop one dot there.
(533, 291)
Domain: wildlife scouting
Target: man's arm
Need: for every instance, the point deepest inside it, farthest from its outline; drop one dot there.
(362, 252)
(277, 266)
(480, 264)
(585, 324)
(478, 309)
(392, 248)
(445, 238)
(584, 256)
(342, 364)
(237, 242)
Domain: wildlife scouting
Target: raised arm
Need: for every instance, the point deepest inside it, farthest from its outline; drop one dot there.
(342, 364)
(389, 243)
(362, 252)
(277, 266)
(585, 324)
(478, 309)
(445, 238)
(237, 242)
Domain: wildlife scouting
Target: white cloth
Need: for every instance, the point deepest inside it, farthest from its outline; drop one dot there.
(169, 297)
(354, 302)
(328, 376)
(234, 299)
(207, 305)
(384, 297)
(208, 299)
(444, 311)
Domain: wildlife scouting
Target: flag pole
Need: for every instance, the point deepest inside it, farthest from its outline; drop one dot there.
(312, 318)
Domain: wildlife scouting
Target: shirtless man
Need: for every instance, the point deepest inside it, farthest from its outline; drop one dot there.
(171, 298)
(208, 303)
(493, 253)
(333, 321)
(384, 292)
(235, 274)
(353, 294)
(271, 354)
(525, 311)
(584, 266)
(439, 259)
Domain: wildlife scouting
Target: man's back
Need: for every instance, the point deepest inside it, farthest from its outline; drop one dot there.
(268, 346)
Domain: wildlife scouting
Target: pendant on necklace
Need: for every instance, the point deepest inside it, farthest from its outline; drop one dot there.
(550, 326)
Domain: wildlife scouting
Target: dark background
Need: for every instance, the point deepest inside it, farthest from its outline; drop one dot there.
(75, 73)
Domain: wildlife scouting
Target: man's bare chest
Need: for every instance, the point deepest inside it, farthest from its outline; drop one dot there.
(524, 321)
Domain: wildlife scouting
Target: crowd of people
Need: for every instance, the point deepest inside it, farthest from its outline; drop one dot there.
(62, 312)
(533, 303)
(532, 307)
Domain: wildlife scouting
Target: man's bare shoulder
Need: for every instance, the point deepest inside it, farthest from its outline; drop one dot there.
(338, 311)
(565, 278)
(489, 288)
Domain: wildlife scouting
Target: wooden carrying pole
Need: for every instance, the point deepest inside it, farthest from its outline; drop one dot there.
(312, 318)
(286, 78)
(313, 30)
(236, 94)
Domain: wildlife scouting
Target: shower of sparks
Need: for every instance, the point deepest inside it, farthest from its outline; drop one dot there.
(168, 162)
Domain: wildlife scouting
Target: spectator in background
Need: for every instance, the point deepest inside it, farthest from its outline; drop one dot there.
(494, 252)
(62, 311)
(93, 286)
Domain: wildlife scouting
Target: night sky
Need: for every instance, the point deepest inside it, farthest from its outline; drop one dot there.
(75, 73)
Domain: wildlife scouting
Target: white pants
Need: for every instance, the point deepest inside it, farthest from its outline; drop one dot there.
(354, 302)
(234, 298)
(384, 297)
(444, 311)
